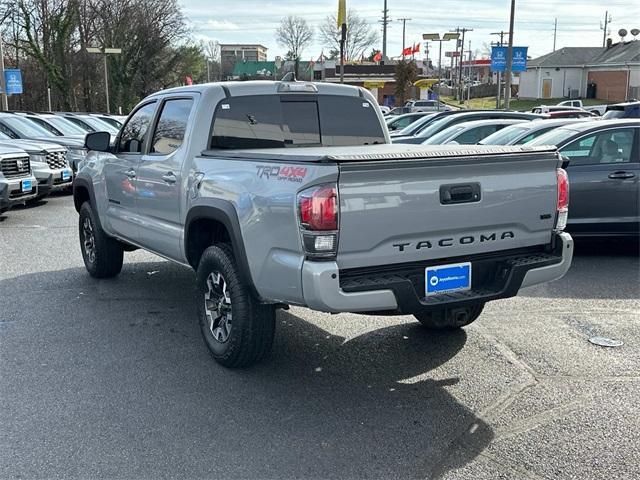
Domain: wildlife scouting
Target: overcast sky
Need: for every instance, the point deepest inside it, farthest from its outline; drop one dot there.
(255, 21)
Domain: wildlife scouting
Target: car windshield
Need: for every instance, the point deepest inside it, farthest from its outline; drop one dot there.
(99, 125)
(26, 128)
(444, 135)
(554, 137)
(505, 136)
(65, 126)
(409, 129)
(613, 114)
(433, 128)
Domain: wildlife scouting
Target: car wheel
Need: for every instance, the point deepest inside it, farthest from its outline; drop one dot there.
(450, 318)
(102, 254)
(237, 329)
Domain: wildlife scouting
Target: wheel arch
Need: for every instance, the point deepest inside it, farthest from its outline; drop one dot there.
(213, 223)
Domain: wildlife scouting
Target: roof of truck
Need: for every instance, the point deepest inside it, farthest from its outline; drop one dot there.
(253, 87)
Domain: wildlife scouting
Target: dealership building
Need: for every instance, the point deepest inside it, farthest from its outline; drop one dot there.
(611, 73)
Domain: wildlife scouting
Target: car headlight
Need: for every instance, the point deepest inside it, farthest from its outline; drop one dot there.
(37, 158)
(81, 152)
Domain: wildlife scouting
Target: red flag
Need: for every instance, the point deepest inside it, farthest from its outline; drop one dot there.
(416, 48)
(188, 80)
(406, 51)
(377, 57)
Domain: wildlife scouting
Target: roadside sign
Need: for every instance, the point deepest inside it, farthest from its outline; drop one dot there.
(13, 81)
(452, 54)
(499, 59)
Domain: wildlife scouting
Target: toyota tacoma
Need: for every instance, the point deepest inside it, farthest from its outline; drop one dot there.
(290, 193)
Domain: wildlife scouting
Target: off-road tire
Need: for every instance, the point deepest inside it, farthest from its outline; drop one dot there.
(106, 262)
(450, 318)
(252, 329)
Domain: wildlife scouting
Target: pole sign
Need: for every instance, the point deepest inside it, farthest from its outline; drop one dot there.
(13, 81)
(499, 59)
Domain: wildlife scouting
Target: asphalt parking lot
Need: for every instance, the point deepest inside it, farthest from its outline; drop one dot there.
(110, 379)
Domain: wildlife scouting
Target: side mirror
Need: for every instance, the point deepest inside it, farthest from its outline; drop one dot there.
(565, 161)
(97, 141)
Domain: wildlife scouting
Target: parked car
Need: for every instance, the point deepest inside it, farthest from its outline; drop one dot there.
(460, 117)
(622, 110)
(470, 133)
(57, 125)
(398, 122)
(17, 183)
(90, 123)
(527, 131)
(422, 123)
(570, 103)
(300, 199)
(17, 126)
(573, 113)
(48, 162)
(384, 109)
(597, 109)
(429, 106)
(604, 171)
(400, 110)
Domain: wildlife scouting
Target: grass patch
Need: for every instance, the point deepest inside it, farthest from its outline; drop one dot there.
(489, 103)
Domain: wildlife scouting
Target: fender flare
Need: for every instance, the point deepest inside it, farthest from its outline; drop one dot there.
(85, 184)
(223, 212)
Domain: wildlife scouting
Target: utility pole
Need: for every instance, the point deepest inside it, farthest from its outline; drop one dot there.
(404, 24)
(555, 33)
(5, 101)
(385, 22)
(500, 44)
(507, 82)
(104, 52)
(460, 58)
(607, 21)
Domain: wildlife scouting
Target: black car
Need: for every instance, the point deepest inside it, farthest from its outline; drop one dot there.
(604, 175)
(454, 118)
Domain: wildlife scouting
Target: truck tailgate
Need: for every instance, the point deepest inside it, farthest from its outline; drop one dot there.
(397, 211)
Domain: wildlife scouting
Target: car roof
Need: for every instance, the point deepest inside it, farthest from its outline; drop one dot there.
(555, 122)
(490, 121)
(598, 124)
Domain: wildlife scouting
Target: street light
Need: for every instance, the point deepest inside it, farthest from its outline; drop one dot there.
(104, 52)
(435, 37)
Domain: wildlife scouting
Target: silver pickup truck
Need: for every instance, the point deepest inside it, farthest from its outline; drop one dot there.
(290, 193)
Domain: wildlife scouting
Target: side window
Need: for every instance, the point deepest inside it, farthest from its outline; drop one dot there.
(169, 133)
(610, 146)
(533, 135)
(474, 135)
(135, 130)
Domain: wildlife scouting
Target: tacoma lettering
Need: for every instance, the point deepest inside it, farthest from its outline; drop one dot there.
(451, 242)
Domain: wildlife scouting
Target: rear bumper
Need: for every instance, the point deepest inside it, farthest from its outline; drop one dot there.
(397, 289)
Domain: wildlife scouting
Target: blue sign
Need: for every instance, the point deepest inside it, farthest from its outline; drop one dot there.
(499, 59)
(13, 81)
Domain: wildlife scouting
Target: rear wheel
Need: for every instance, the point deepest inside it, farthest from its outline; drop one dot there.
(236, 328)
(102, 254)
(450, 318)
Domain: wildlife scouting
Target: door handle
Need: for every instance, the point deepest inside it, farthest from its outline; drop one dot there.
(131, 173)
(621, 175)
(169, 177)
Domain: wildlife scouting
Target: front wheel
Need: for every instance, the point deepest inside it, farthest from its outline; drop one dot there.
(450, 318)
(236, 328)
(102, 254)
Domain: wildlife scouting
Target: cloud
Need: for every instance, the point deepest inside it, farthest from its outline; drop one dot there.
(218, 25)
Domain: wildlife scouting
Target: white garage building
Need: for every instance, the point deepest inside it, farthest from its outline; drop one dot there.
(611, 73)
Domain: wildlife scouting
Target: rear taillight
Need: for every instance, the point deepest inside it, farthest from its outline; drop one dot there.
(318, 216)
(563, 199)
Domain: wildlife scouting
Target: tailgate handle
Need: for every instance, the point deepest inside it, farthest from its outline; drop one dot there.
(459, 193)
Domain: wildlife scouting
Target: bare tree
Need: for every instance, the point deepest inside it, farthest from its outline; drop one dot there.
(212, 54)
(294, 34)
(360, 35)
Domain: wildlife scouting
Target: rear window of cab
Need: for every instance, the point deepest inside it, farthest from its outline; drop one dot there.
(276, 121)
